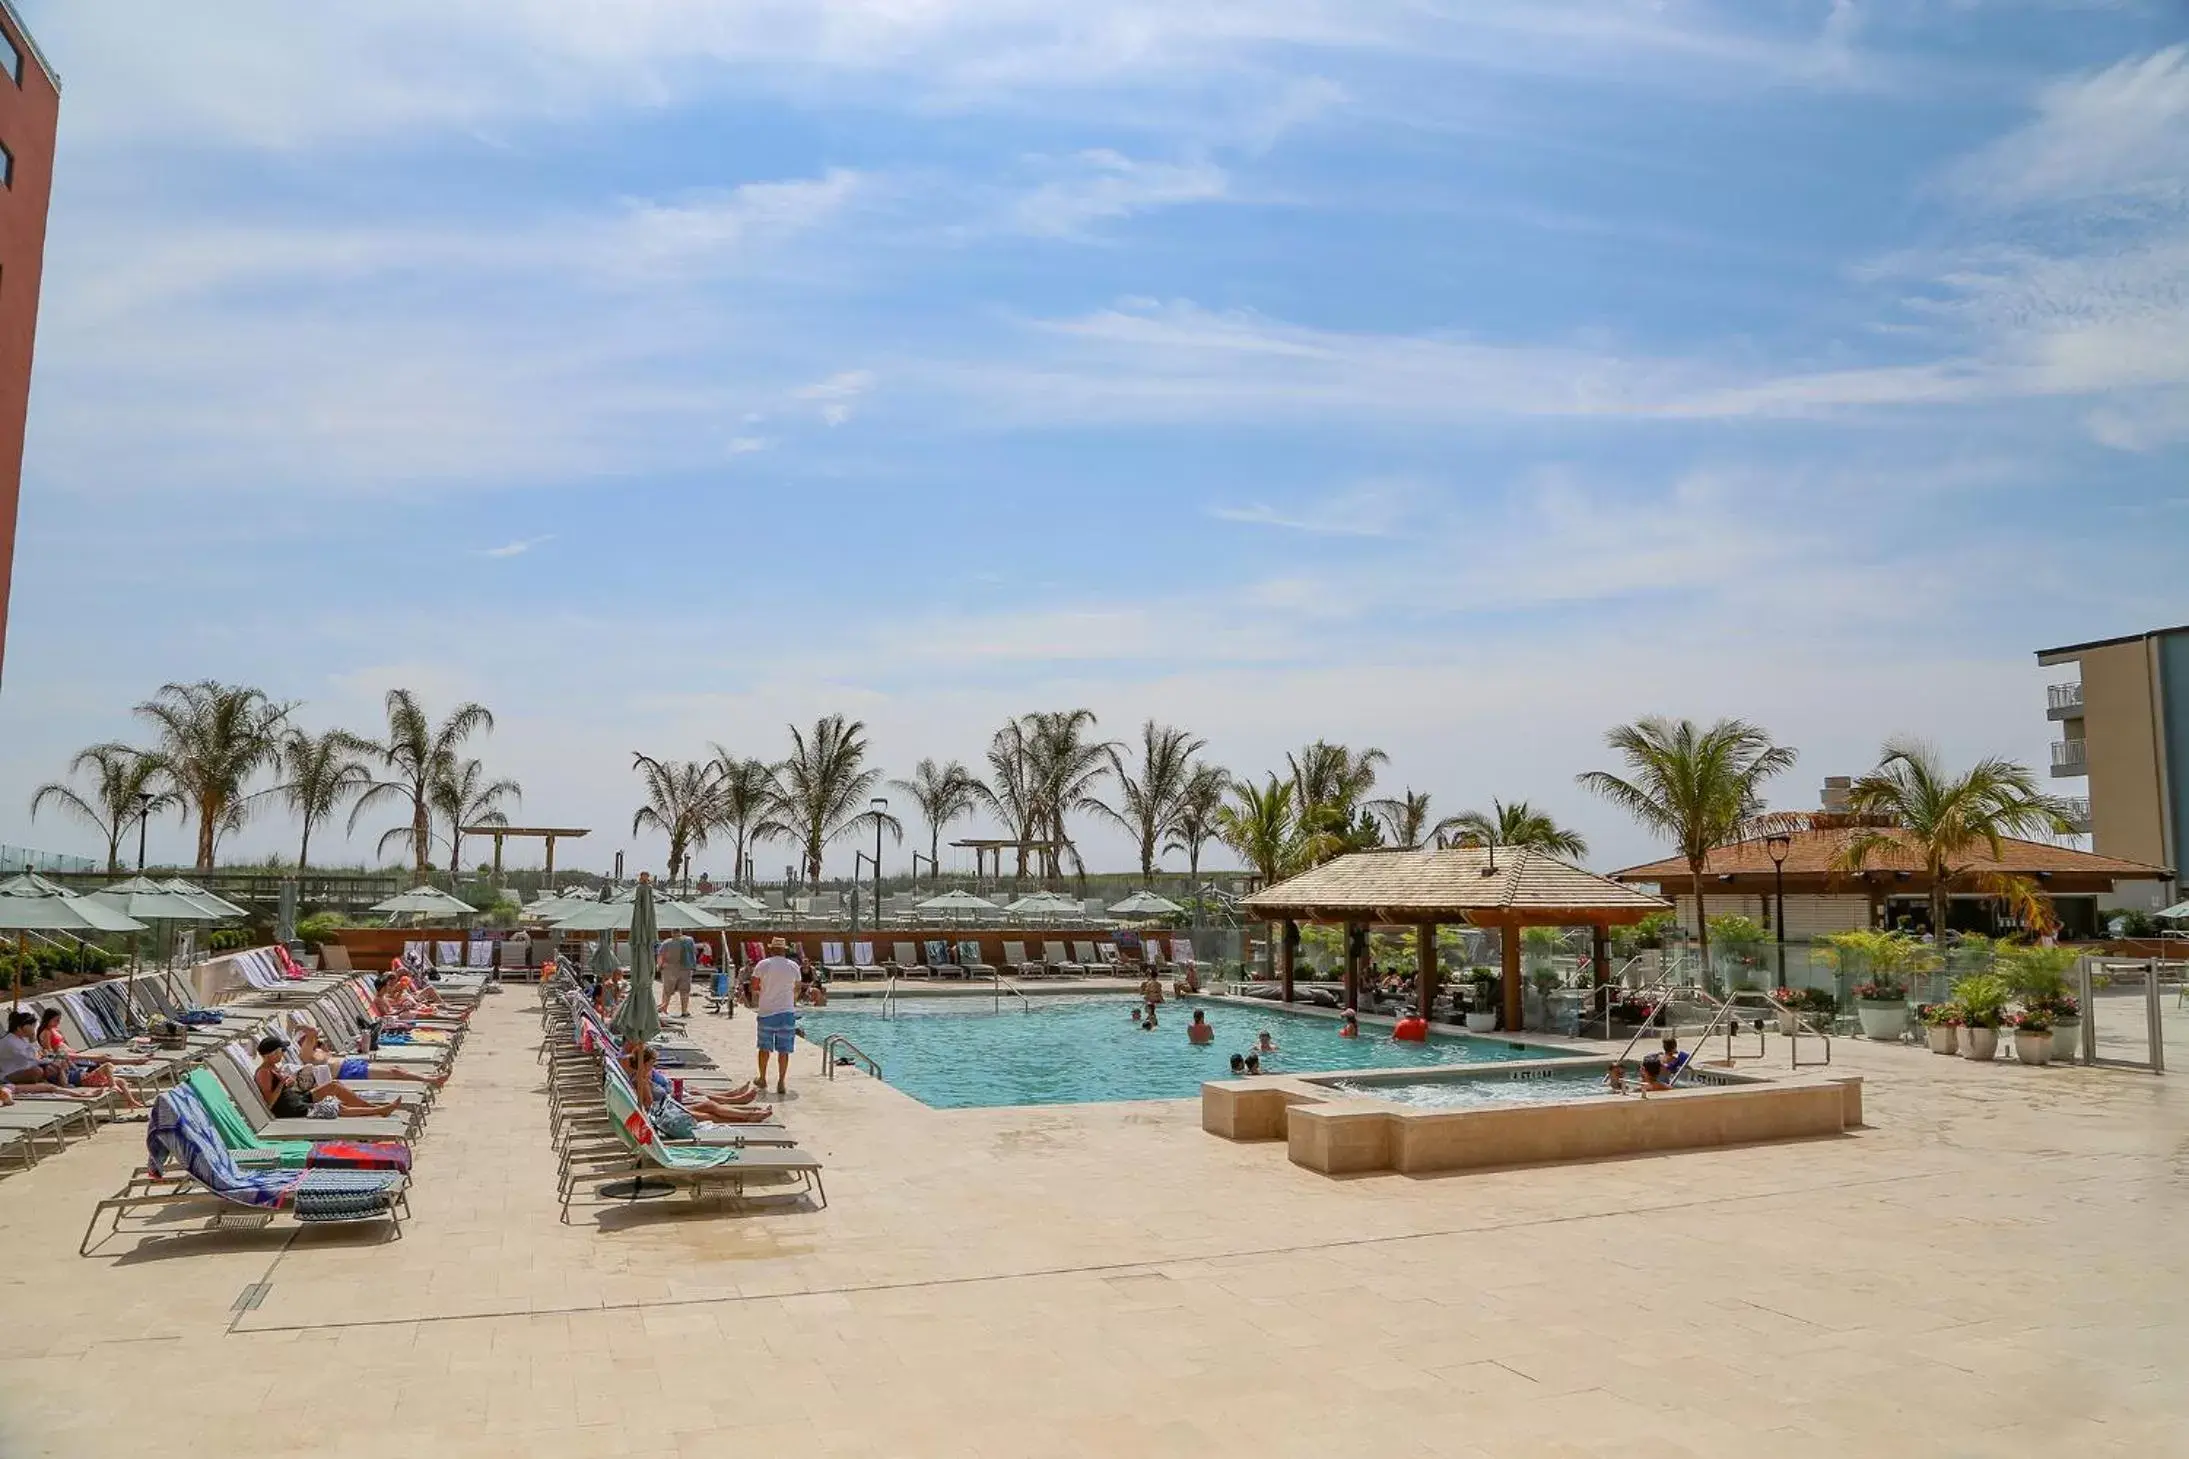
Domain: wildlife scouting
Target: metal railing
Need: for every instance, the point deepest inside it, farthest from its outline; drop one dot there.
(1003, 986)
(2064, 696)
(836, 1044)
(2070, 757)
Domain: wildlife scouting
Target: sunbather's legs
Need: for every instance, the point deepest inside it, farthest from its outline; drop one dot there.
(351, 1101)
(386, 1072)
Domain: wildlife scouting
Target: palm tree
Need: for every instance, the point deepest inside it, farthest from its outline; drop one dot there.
(1148, 802)
(124, 789)
(1193, 825)
(746, 790)
(944, 793)
(1697, 787)
(214, 738)
(820, 788)
(683, 802)
(1010, 791)
(1405, 816)
(463, 796)
(1068, 765)
(416, 755)
(1328, 784)
(1518, 825)
(1260, 825)
(1948, 820)
(318, 774)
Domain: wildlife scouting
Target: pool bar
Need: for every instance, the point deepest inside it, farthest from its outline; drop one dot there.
(1349, 1131)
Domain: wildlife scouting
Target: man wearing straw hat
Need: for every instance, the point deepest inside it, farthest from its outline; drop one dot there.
(774, 1002)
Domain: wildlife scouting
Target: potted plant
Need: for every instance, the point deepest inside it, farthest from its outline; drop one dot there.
(1882, 962)
(2032, 1037)
(1941, 1026)
(1983, 1001)
(1815, 1006)
(1882, 1006)
(2037, 977)
(2067, 1026)
(1482, 1011)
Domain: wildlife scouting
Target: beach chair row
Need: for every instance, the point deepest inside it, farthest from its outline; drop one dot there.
(241, 1167)
(602, 1128)
(943, 958)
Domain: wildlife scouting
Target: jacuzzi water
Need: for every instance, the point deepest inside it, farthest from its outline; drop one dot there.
(1482, 1091)
(958, 1053)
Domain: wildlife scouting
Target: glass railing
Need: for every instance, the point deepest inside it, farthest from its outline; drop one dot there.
(2064, 696)
(2069, 755)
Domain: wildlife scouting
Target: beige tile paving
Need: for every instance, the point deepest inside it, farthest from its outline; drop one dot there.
(1994, 1267)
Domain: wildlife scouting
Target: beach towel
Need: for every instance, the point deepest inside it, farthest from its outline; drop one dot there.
(236, 1133)
(480, 954)
(448, 954)
(862, 954)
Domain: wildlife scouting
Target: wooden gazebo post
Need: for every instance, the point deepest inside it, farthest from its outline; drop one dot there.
(1425, 967)
(1287, 940)
(1508, 938)
(1353, 964)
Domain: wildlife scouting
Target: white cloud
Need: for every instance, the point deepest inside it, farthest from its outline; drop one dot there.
(517, 548)
(2120, 134)
(835, 396)
(1370, 509)
(1099, 185)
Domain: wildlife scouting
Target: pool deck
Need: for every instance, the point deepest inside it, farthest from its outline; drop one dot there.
(1993, 1265)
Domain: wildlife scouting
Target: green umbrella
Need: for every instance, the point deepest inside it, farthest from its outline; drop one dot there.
(426, 902)
(148, 901)
(638, 1021)
(30, 903)
(603, 960)
(1146, 904)
(203, 897)
(621, 916)
(730, 899)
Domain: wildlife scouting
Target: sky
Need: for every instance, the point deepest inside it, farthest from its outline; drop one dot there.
(1456, 378)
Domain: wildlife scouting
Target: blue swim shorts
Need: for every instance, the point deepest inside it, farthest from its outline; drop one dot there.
(778, 1033)
(353, 1068)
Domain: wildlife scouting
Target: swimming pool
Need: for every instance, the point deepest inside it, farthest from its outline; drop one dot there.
(956, 1053)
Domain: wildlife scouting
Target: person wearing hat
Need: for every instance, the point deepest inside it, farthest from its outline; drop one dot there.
(775, 1002)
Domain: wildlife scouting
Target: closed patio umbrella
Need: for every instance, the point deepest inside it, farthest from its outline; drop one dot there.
(639, 1019)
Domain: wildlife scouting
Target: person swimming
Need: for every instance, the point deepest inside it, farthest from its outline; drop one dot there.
(1653, 1075)
(1200, 1031)
(1238, 1064)
(1254, 1063)
(1265, 1044)
(1350, 1027)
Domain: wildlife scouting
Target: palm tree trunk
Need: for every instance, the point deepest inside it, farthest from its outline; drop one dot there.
(1938, 911)
(207, 814)
(421, 834)
(1702, 922)
(304, 847)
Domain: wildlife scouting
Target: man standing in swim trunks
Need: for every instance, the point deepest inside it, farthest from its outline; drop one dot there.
(676, 958)
(775, 1000)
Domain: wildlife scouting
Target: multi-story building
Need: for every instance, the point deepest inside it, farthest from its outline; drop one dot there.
(30, 113)
(2124, 729)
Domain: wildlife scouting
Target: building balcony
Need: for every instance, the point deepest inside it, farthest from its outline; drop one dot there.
(2075, 809)
(2064, 701)
(2070, 757)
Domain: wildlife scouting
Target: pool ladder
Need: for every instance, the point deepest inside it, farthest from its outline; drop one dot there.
(837, 1041)
(1002, 987)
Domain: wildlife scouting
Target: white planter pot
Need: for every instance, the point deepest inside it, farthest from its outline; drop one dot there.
(1883, 1021)
(2067, 1040)
(1944, 1037)
(1786, 1021)
(1481, 1022)
(1982, 1043)
(2033, 1048)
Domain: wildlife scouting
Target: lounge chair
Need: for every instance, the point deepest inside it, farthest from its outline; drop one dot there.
(248, 1149)
(862, 959)
(1052, 953)
(969, 958)
(244, 1091)
(939, 959)
(832, 960)
(701, 1168)
(25, 1123)
(1098, 957)
(183, 1131)
(904, 960)
(1015, 960)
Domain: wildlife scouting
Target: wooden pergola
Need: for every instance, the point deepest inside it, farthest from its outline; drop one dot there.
(988, 850)
(1467, 885)
(549, 834)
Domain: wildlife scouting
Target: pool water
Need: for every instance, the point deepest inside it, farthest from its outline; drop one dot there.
(1484, 1091)
(957, 1053)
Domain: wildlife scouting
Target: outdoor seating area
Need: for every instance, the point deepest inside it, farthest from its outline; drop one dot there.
(334, 1146)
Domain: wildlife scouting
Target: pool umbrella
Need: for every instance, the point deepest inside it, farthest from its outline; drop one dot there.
(638, 1021)
(603, 960)
(203, 897)
(30, 903)
(1044, 904)
(730, 899)
(1146, 904)
(2174, 913)
(957, 901)
(148, 901)
(669, 916)
(426, 902)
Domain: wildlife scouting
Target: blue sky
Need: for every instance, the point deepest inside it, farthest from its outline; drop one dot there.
(1460, 379)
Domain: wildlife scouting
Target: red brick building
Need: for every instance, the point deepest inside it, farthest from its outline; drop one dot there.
(30, 112)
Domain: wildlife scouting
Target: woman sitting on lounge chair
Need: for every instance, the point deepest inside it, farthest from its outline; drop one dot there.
(22, 1066)
(727, 1109)
(89, 1071)
(317, 1066)
(417, 1000)
(289, 1098)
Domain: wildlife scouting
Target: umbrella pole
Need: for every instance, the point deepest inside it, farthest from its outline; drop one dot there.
(22, 944)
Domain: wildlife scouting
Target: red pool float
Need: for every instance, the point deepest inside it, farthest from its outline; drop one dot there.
(1412, 1030)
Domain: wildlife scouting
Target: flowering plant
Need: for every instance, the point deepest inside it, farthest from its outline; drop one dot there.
(1939, 1015)
(1806, 1000)
(2032, 1020)
(1881, 990)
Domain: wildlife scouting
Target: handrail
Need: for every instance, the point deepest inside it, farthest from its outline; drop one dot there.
(1003, 987)
(1662, 1004)
(836, 1041)
(889, 995)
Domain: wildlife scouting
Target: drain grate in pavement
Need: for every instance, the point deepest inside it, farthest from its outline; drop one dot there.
(248, 1299)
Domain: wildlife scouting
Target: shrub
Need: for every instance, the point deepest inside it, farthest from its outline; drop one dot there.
(2032, 1021)
(318, 928)
(2036, 975)
(1983, 999)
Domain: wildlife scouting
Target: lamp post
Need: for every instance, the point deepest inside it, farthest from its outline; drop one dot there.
(1778, 845)
(144, 819)
(880, 808)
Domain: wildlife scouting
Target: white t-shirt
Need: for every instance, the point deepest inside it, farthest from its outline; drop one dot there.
(18, 1053)
(775, 980)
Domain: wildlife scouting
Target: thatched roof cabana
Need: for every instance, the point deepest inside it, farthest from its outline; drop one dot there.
(1477, 886)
